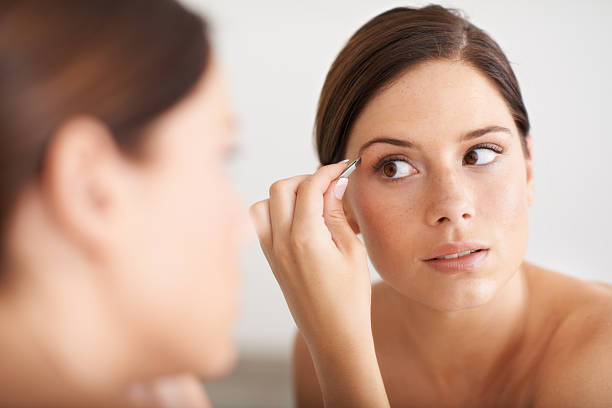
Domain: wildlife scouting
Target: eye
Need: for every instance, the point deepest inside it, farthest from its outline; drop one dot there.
(397, 169)
(481, 155)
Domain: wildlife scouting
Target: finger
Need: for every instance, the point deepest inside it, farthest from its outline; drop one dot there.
(195, 394)
(167, 392)
(183, 391)
(260, 216)
(335, 218)
(309, 202)
(282, 206)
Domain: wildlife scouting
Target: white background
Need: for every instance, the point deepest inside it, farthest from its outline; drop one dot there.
(276, 54)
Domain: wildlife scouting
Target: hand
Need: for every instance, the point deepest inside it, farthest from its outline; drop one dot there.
(321, 267)
(317, 259)
(181, 391)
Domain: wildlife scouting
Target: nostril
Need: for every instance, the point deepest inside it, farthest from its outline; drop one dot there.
(442, 219)
(467, 216)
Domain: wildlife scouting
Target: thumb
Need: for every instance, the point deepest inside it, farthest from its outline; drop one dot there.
(335, 218)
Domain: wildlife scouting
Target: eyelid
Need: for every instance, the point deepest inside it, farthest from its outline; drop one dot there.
(491, 146)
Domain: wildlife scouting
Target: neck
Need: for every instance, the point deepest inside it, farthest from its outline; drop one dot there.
(63, 331)
(56, 342)
(58, 333)
(471, 341)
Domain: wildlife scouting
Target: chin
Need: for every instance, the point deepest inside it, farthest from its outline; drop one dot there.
(454, 296)
(219, 358)
(464, 294)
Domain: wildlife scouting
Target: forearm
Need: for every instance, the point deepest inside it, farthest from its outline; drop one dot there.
(348, 372)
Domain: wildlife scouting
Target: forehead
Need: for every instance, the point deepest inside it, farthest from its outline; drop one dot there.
(208, 101)
(197, 118)
(432, 101)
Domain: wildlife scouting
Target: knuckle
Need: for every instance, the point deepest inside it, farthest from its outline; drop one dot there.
(257, 207)
(276, 187)
(279, 249)
(305, 184)
(300, 243)
(297, 241)
(281, 186)
(335, 215)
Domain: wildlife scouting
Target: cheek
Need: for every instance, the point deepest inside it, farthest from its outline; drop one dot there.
(502, 207)
(388, 220)
(198, 212)
(203, 232)
(391, 218)
(184, 235)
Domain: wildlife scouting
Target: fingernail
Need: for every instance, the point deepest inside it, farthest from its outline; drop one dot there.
(340, 187)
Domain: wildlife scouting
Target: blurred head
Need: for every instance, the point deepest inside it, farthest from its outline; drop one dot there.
(115, 131)
(430, 103)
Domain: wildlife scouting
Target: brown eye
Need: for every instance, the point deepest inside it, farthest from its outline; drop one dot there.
(481, 156)
(471, 157)
(390, 169)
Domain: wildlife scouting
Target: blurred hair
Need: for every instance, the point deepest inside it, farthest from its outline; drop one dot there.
(388, 45)
(121, 61)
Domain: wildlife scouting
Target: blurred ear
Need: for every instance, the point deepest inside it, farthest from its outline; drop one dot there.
(529, 168)
(81, 181)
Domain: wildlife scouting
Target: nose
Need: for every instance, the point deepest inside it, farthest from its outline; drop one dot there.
(450, 201)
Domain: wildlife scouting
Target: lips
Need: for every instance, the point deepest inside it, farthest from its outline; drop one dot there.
(455, 250)
(457, 257)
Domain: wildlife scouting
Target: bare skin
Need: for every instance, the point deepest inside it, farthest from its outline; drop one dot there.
(458, 173)
(561, 337)
(113, 264)
(304, 235)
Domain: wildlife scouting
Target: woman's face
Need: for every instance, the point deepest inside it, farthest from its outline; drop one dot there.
(176, 250)
(448, 168)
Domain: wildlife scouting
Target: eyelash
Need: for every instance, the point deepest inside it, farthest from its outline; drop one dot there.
(379, 165)
(497, 149)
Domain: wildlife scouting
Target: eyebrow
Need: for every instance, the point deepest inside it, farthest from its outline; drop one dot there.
(387, 140)
(481, 132)
(406, 143)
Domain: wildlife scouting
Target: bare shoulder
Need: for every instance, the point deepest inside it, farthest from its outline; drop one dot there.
(306, 387)
(577, 366)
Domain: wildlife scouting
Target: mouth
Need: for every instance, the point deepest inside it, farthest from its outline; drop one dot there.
(456, 255)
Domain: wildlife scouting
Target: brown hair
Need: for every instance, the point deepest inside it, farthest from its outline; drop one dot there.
(389, 44)
(121, 61)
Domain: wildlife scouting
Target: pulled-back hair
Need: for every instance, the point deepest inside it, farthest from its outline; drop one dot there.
(388, 45)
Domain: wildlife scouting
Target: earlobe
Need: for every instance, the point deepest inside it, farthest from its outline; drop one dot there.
(77, 179)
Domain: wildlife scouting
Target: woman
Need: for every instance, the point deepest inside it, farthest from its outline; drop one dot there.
(119, 224)
(430, 105)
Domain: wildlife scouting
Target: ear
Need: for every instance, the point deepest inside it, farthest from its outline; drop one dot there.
(529, 168)
(80, 181)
